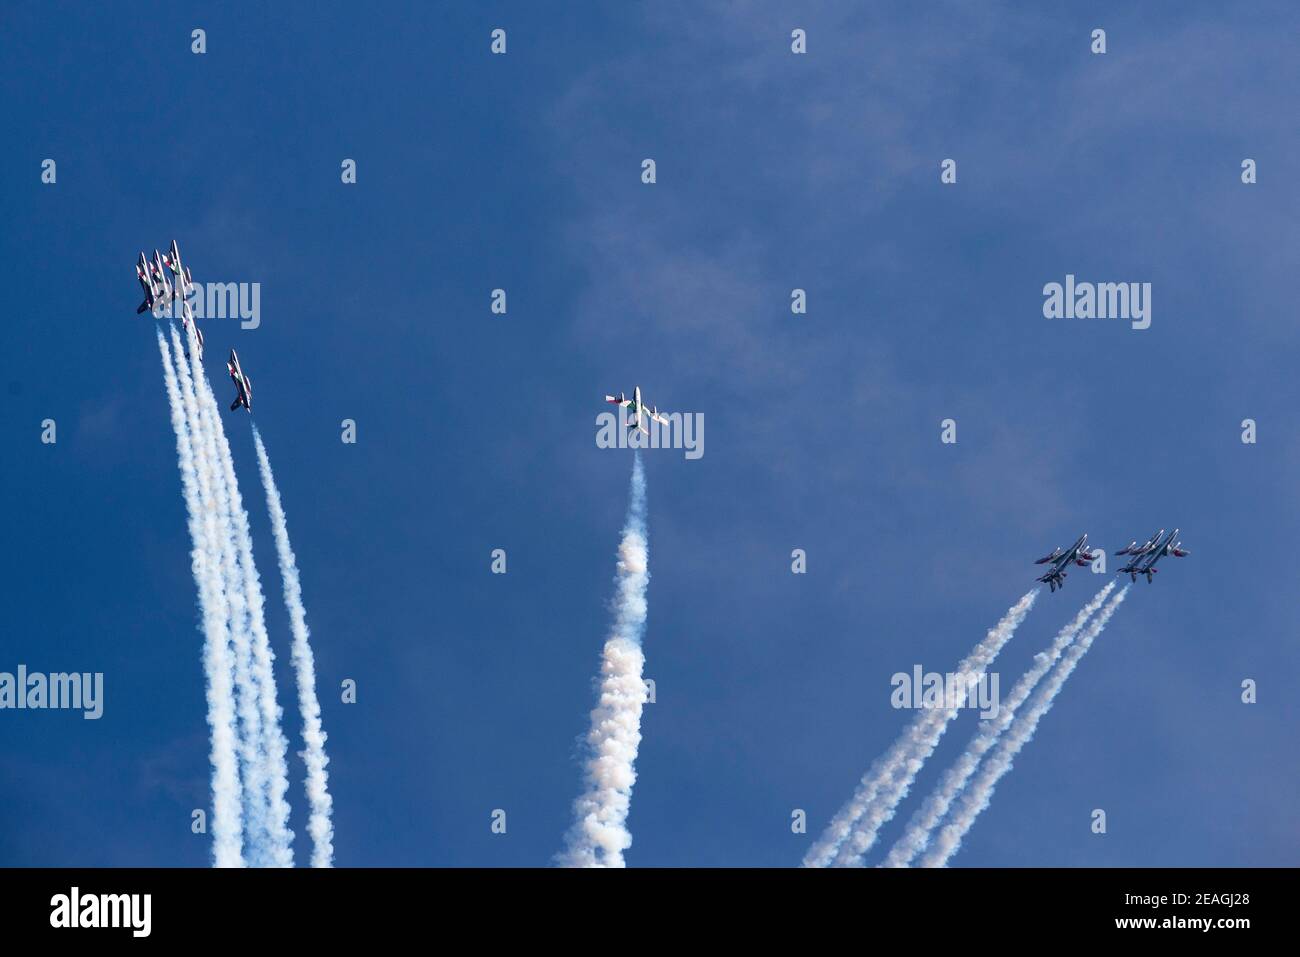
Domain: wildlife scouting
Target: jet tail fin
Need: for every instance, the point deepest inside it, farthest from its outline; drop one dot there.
(234, 405)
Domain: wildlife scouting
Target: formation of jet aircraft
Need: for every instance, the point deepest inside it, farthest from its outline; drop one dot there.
(243, 384)
(636, 410)
(159, 292)
(158, 289)
(1061, 558)
(1142, 557)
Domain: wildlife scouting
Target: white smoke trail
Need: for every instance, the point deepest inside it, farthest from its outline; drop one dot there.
(599, 834)
(853, 829)
(892, 792)
(273, 745)
(251, 754)
(313, 734)
(978, 795)
(955, 779)
(218, 666)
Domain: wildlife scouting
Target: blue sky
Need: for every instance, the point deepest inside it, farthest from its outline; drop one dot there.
(477, 431)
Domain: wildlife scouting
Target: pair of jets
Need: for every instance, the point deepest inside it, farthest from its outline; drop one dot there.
(1142, 558)
(637, 413)
(158, 290)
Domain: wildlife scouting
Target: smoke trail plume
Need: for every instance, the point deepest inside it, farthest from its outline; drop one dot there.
(599, 834)
(955, 779)
(853, 829)
(218, 668)
(273, 769)
(977, 797)
(313, 734)
(252, 758)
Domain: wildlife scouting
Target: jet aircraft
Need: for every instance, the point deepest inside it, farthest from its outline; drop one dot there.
(1144, 563)
(635, 408)
(243, 384)
(1061, 558)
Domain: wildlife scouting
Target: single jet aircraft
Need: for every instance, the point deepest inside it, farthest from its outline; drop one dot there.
(150, 296)
(1145, 564)
(181, 272)
(156, 293)
(243, 384)
(187, 320)
(635, 407)
(184, 282)
(1061, 558)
